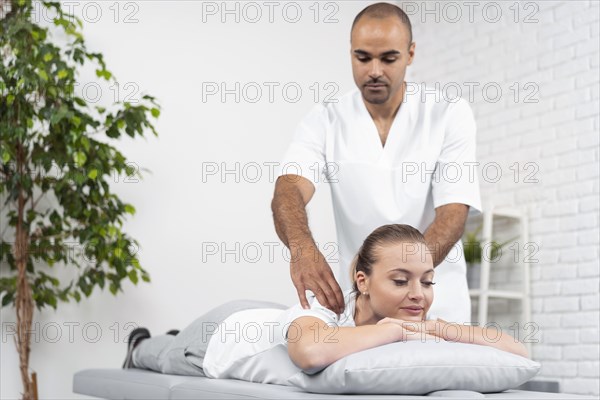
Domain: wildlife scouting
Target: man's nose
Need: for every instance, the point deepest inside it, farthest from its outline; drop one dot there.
(376, 70)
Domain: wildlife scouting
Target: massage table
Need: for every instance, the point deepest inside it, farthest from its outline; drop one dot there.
(142, 384)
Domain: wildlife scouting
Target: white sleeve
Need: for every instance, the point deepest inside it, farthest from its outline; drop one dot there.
(305, 155)
(316, 310)
(456, 178)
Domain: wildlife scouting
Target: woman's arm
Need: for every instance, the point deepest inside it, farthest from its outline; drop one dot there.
(313, 345)
(488, 337)
(453, 332)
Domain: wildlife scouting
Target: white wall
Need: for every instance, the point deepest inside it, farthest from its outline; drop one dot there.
(558, 56)
(170, 52)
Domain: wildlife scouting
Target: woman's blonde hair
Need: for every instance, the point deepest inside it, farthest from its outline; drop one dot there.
(386, 234)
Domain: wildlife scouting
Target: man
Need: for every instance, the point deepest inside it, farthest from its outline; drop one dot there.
(379, 148)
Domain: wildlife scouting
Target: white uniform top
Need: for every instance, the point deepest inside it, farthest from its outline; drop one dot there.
(373, 185)
(237, 349)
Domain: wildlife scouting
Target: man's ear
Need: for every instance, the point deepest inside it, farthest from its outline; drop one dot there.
(411, 52)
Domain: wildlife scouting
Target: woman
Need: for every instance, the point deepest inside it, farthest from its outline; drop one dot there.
(393, 291)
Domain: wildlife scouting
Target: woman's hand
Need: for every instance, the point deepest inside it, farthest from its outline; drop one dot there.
(459, 333)
(415, 330)
(430, 327)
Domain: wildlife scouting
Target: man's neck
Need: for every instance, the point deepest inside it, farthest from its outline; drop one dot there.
(388, 110)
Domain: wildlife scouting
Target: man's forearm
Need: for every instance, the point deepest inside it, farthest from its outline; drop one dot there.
(290, 218)
(445, 230)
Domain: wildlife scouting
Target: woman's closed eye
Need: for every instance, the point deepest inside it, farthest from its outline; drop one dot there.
(399, 282)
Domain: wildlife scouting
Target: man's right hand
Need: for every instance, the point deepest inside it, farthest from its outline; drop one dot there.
(310, 271)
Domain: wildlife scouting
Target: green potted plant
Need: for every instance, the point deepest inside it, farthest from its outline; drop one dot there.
(44, 124)
(473, 252)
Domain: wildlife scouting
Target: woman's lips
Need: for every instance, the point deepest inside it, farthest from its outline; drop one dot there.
(413, 311)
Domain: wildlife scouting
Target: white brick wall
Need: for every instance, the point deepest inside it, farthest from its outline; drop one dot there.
(559, 54)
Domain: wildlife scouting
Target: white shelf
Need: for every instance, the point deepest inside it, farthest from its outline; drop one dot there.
(508, 212)
(484, 293)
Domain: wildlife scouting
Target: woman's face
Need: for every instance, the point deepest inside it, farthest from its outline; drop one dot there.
(400, 282)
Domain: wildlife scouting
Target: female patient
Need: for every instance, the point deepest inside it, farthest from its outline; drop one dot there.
(393, 291)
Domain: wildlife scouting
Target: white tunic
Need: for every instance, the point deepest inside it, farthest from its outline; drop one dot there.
(373, 185)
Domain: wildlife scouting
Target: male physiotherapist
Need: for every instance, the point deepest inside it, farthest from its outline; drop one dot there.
(391, 153)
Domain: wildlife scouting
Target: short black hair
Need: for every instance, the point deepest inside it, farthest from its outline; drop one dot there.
(384, 10)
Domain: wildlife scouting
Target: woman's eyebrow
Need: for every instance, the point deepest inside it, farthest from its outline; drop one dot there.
(407, 271)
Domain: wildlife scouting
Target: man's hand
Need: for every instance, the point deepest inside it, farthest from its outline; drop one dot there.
(308, 267)
(310, 271)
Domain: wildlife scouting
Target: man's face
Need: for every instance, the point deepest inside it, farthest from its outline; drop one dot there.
(380, 54)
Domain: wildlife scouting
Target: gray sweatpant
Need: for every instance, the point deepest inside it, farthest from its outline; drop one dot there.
(184, 353)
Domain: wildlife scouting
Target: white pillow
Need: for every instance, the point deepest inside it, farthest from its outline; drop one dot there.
(418, 367)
